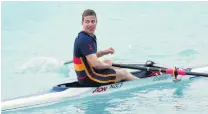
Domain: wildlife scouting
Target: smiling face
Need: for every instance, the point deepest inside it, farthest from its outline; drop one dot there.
(89, 21)
(89, 24)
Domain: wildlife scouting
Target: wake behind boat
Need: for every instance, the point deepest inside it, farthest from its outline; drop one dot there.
(67, 91)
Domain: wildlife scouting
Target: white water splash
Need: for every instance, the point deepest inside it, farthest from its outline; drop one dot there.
(43, 64)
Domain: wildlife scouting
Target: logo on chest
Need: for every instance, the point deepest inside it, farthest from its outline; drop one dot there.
(90, 47)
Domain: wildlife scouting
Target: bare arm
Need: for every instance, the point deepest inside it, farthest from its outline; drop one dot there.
(100, 54)
(105, 52)
(96, 63)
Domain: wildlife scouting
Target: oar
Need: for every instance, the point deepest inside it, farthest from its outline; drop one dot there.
(68, 62)
(164, 70)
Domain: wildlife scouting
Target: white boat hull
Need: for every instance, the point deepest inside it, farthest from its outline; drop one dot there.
(70, 93)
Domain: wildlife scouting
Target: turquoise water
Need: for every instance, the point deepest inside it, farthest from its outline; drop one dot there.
(38, 36)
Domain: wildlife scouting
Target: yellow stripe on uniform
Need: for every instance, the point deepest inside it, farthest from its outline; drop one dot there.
(79, 67)
(98, 74)
(94, 79)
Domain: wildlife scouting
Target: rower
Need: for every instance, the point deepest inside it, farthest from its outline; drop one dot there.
(89, 69)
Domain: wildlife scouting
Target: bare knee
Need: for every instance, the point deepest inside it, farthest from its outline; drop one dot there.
(123, 74)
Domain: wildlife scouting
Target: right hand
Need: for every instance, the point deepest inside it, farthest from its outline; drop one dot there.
(109, 51)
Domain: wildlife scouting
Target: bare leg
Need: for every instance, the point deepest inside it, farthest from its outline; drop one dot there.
(122, 74)
(130, 76)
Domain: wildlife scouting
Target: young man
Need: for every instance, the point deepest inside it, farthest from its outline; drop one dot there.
(89, 69)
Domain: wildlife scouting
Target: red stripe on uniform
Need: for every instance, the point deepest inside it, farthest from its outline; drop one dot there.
(77, 60)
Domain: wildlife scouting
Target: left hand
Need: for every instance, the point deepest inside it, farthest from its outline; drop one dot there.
(109, 62)
(109, 50)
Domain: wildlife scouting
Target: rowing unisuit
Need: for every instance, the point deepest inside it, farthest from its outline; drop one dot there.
(86, 74)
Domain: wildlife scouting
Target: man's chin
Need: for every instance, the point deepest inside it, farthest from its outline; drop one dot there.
(91, 32)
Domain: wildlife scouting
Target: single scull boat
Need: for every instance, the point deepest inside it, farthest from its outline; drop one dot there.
(66, 91)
